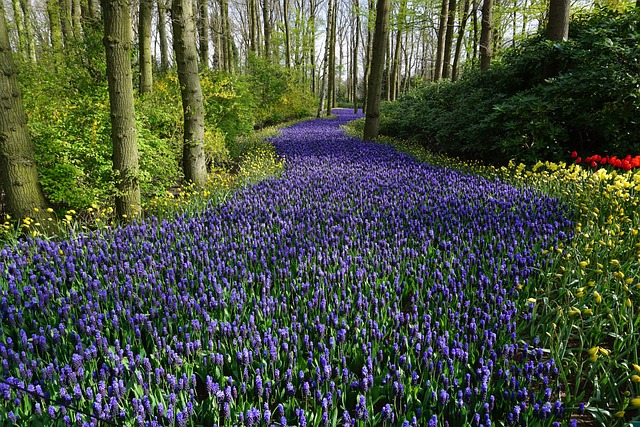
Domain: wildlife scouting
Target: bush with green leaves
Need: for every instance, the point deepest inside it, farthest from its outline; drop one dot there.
(277, 95)
(542, 100)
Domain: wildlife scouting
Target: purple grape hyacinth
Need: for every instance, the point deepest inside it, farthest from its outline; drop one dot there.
(360, 272)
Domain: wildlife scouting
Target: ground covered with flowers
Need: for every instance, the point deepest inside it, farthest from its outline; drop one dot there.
(361, 288)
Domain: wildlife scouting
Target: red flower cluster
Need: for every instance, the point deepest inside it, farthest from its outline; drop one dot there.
(626, 163)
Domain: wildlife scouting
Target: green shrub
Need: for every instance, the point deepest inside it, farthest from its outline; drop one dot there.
(541, 101)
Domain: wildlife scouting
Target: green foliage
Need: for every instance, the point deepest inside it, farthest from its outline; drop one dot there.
(277, 96)
(541, 101)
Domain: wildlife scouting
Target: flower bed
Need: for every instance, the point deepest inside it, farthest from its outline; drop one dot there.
(362, 288)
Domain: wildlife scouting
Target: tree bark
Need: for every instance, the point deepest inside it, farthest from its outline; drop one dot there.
(184, 45)
(486, 35)
(266, 20)
(395, 63)
(327, 53)
(19, 26)
(332, 60)
(55, 34)
(442, 34)
(65, 21)
(27, 13)
(76, 18)
(144, 47)
(372, 121)
(558, 25)
(448, 40)
(165, 64)
(312, 50)
(117, 41)
(287, 33)
(463, 26)
(356, 8)
(226, 36)
(18, 173)
(368, 55)
(203, 32)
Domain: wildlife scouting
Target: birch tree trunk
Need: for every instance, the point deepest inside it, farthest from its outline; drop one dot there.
(184, 45)
(117, 41)
(372, 121)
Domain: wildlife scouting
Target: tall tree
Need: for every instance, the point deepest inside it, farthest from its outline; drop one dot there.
(558, 24)
(327, 53)
(27, 12)
(55, 34)
(461, 29)
(18, 174)
(331, 45)
(184, 45)
(356, 44)
(266, 21)
(448, 40)
(287, 33)
(372, 121)
(117, 41)
(144, 46)
(65, 20)
(203, 32)
(18, 22)
(162, 35)
(227, 41)
(442, 34)
(395, 63)
(368, 54)
(486, 35)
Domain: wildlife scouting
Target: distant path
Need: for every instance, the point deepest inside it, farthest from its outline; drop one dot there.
(361, 282)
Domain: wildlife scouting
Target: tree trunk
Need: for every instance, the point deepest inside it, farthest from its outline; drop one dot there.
(18, 173)
(252, 8)
(395, 64)
(65, 20)
(93, 10)
(474, 14)
(77, 18)
(448, 40)
(312, 50)
(327, 52)
(287, 34)
(203, 32)
(53, 11)
(463, 25)
(332, 59)
(18, 22)
(355, 55)
(266, 19)
(486, 35)
(144, 47)
(27, 13)
(368, 55)
(442, 34)
(226, 36)
(165, 64)
(117, 41)
(372, 121)
(184, 45)
(216, 40)
(558, 26)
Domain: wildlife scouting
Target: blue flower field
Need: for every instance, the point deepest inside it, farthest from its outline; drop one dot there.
(361, 288)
